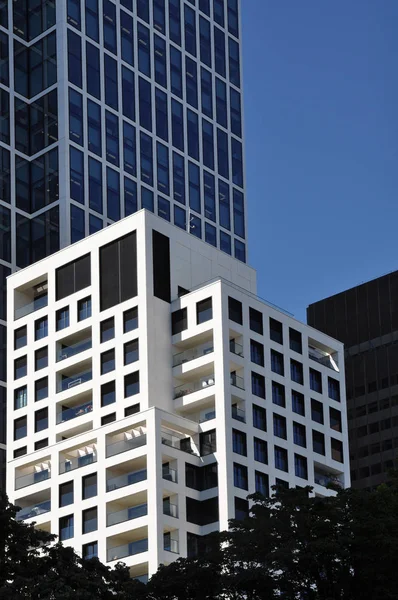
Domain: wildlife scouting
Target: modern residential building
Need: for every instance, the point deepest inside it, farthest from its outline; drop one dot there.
(110, 106)
(150, 391)
(365, 318)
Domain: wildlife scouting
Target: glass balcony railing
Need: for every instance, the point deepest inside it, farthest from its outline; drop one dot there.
(126, 514)
(68, 383)
(34, 510)
(170, 474)
(171, 546)
(130, 549)
(171, 510)
(184, 444)
(73, 349)
(322, 358)
(31, 478)
(236, 348)
(75, 411)
(207, 416)
(70, 464)
(237, 381)
(192, 353)
(238, 414)
(114, 483)
(326, 479)
(125, 445)
(27, 309)
(195, 386)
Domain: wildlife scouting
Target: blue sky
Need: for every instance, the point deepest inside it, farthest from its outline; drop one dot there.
(321, 119)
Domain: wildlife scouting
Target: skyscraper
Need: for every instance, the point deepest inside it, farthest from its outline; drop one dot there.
(109, 106)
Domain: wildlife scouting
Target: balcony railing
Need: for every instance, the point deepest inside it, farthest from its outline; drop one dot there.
(130, 549)
(27, 309)
(31, 478)
(127, 479)
(208, 416)
(237, 381)
(326, 479)
(70, 382)
(195, 386)
(322, 358)
(184, 444)
(126, 514)
(73, 349)
(236, 348)
(75, 411)
(125, 445)
(239, 414)
(171, 510)
(34, 510)
(171, 546)
(192, 353)
(170, 474)
(70, 464)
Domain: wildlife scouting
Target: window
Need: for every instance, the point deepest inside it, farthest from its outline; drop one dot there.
(107, 330)
(299, 434)
(108, 394)
(41, 358)
(41, 420)
(257, 353)
(259, 417)
(261, 483)
(131, 410)
(20, 397)
(300, 466)
(20, 367)
(204, 311)
(278, 394)
(316, 381)
(280, 426)
(318, 442)
(131, 352)
(260, 450)
(90, 521)
(118, 271)
(66, 493)
(41, 328)
(298, 404)
(208, 442)
(41, 444)
(241, 509)
(90, 550)
(240, 477)
(275, 331)
(41, 389)
(295, 341)
(130, 319)
(66, 525)
(235, 310)
(20, 338)
(73, 277)
(334, 389)
(239, 445)
(258, 385)
(84, 308)
(296, 371)
(277, 365)
(132, 384)
(89, 486)
(281, 461)
(108, 419)
(20, 452)
(337, 450)
(107, 361)
(179, 321)
(62, 318)
(317, 411)
(256, 321)
(335, 419)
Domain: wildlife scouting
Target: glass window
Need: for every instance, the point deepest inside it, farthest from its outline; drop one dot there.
(235, 310)
(129, 149)
(317, 411)
(41, 444)
(89, 486)
(300, 466)
(175, 21)
(191, 79)
(278, 394)
(107, 329)
(112, 194)
(74, 58)
(204, 311)
(95, 185)
(281, 459)
(131, 353)
(299, 434)
(333, 389)
(239, 444)
(143, 10)
(41, 328)
(275, 331)
(256, 321)
(92, 20)
(210, 234)
(194, 187)
(41, 419)
(295, 341)
(240, 477)
(207, 92)
(178, 178)
(66, 528)
(90, 550)
(93, 73)
(74, 13)
(20, 338)
(144, 50)
(41, 389)
(145, 104)
(111, 83)
(76, 175)
(218, 12)
(41, 358)
(130, 197)
(160, 61)
(159, 15)
(337, 450)
(90, 520)
(162, 128)
(108, 394)
(20, 397)
(62, 318)
(260, 450)
(128, 93)
(130, 319)
(163, 169)
(195, 226)
(66, 493)
(335, 419)
(240, 251)
(109, 22)
(84, 309)
(77, 224)
(261, 483)
(280, 429)
(108, 419)
(176, 71)
(190, 30)
(180, 217)
(298, 404)
(127, 37)
(219, 51)
(95, 224)
(164, 208)
(20, 428)
(235, 112)
(224, 205)
(257, 353)
(209, 199)
(94, 127)
(131, 384)
(318, 442)
(107, 361)
(296, 371)
(177, 125)
(146, 158)
(20, 367)
(259, 417)
(205, 41)
(208, 144)
(316, 381)
(277, 365)
(112, 138)
(193, 134)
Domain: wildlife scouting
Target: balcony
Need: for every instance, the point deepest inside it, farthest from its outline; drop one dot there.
(30, 478)
(129, 549)
(237, 381)
(34, 510)
(126, 514)
(30, 299)
(180, 443)
(327, 479)
(195, 386)
(193, 353)
(169, 474)
(69, 382)
(238, 414)
(115, 483)
(76, 411)
(171, 545)
(66, 351)
(170, 509)
(78, 458)
(323, 358)
(129, 440)
(207, 416)
(236, 348)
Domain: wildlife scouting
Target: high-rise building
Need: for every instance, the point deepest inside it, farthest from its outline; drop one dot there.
(365, 318)
(150, 391)
(110, 106)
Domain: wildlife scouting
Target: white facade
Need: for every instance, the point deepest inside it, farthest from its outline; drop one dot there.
(139, 433)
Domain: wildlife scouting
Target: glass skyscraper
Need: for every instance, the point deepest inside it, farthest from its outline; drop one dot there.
(110, 106)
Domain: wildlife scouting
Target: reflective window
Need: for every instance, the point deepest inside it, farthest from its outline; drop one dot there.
(222, 154)
(234, 62)
(225, 242)
(191, 78)
(159, 16)
(221, 102)
(164, 208)
(145, 104)
(92, 20)
(109, 22)
(160, 61)
(76, 224)
(129, 149)
(194, 187)
(163, 169)
(93, 73)
(95, 185)
(208, 144)
(209, 196)
(205, 41)
(127, 38)
(219, 51)
(113, 194)
(74, 58)
(75, 117)
(76, 175)
(237, 162)
(144, 49)
(236, 112)
(111, 83)
(239, 217)
(195, 226)
(193, 134)
(190, 30)
(178, 178)
(130, 197)
(177, 125)
(162, 127)
(175, 21)
(180, 217)
(210, 234)
(94, 127)
(74, 13)
(146, 158)
(128, 93)
(176, 71)
(112, 138)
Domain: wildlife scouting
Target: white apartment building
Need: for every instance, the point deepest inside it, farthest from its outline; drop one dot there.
(150, 391)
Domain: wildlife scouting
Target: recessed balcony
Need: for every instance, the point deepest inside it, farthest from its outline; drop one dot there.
(72, 345)
(74, 376)
(237, 381)
(125, 474)
(236, 348)
(179, 442)
(30, 298)
(323, 355)
(169, 474)
(126, 509)
(34, 510)
(78, 407)
(327, 478)
(194, 386)
(29, 475)
(77, 458)
(125, 441)
(127, 544)
(238, 411)
(170, 506)
(193, 353)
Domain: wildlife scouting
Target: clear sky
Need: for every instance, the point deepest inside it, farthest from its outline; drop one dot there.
(321, 119)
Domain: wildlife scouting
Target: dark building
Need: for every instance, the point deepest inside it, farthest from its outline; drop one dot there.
(365, 318)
